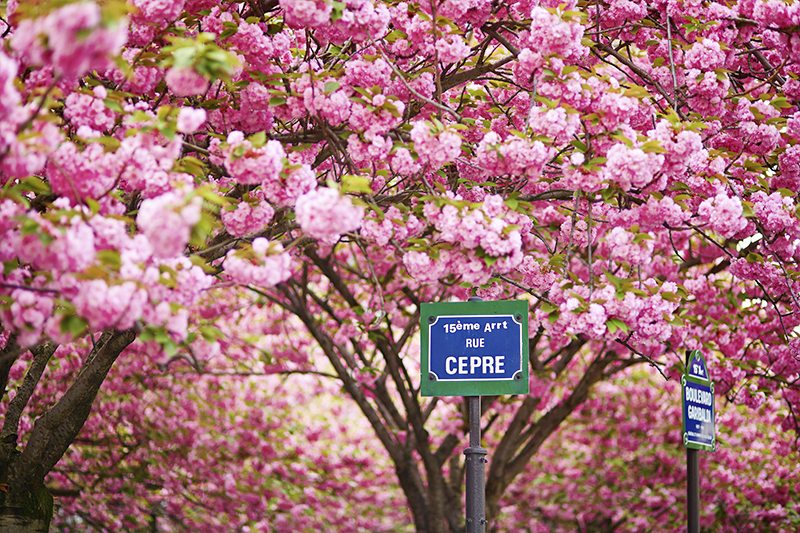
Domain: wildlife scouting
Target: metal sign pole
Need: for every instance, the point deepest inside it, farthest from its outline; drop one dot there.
(475, 461)
(693, 490)
(699, 431)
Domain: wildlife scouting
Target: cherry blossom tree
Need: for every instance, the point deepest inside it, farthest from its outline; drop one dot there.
(273, 187)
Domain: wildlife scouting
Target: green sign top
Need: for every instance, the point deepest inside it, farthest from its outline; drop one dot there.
(474, 348)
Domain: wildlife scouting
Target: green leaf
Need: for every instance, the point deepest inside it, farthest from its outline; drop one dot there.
(192, 165)
(29, 227)
(670, 296)
(654, 147)
(331, 86)
(613, 324)
(547, 307)
(169, 347)
(676, 321)
(113, 105)
(9, 266)
(74, 325)
(617, 282)
(209, 195)
(34, 184)
(636, 92)
(258, 139)
(110, 258)
(579, 145)
(490, 260)
(211, 333)
(338, 10)
(94, 205)
(354, 184)
(781, 102)
(147, 335)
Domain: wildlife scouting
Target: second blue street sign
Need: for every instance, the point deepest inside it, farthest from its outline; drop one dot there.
(474, 348)
(698, 405)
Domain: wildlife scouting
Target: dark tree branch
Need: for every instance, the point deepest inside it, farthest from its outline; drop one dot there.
(555, 194)
(41, 356)
(458, 78)
(8, 356)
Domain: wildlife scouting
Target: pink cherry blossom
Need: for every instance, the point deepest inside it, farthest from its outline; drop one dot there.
(167, 221)
(435, 149)
(191, 119)
(268, 266)
(186, 81)
(9, 96)
(724, 214)
(325, 214)
(86, 110)
(632, 167)
(247, 218)
(307, 12)
(251, 165)
(73, 39)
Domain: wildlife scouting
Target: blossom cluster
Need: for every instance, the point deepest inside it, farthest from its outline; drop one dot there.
(265, 264)
(479, 240)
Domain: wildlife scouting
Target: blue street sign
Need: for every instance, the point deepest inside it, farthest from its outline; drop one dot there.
(475, 348)
(697, 392)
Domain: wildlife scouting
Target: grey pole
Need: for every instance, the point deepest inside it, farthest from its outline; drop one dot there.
(475, 462)
(693, 490)
(692, 483)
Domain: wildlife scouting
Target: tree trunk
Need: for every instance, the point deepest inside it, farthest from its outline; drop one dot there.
(19, 524)
(24, 508)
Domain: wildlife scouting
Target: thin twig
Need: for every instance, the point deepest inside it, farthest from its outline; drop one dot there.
(524, 288)
(589, 230)
(402, 79)
(672, 65)
(644, 356)
(33, 289)
(571, 233)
